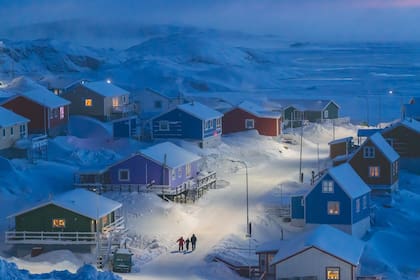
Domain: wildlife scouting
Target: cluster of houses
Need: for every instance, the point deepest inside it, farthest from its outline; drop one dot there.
(336, 207)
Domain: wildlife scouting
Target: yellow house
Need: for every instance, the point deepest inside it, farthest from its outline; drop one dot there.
(12, 128)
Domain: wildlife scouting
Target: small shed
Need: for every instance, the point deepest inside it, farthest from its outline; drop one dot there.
(341, 147)
(189, 121)
(377, 163)
(247, 115)
(73, 217)
(321, 253)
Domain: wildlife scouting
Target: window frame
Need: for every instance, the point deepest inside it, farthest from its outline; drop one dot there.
(218, 122)
(327, 186)
(62, 112)
(364, 201)
(188, 170)
(251, 121)
(88, 102)
(164, 122)
(325, 114)
(332, 268)
(330, 209)
(374, 171)
(358, 205)
(369, 152)
(120, 177)
(58, 223)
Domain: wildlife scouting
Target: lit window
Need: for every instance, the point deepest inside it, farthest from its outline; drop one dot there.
(327, 186)
(358, 205)
(333, 208)
(124, 175)
(374, 171)
(163, 125)
(369, 152)
(61, 113)
(59, 223)
(115, 102)
(325, 114)
(333, 273)
(218, 122)
(188, 170)
(364, 199)
(249, 123)
(88, 102)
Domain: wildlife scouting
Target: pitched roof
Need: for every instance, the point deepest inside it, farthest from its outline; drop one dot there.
(199, 111)
(385, 148)
(410, 124)
(341, 140)
(305, 104)
(349, 181)
(366, 132)
(9, 118)
(80, 201)
(169, 154)
(257, 110)
(105, 89)
(45, 98)
(326, 238)
(169, 94)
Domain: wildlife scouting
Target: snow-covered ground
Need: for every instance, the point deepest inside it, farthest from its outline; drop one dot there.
(219, 217)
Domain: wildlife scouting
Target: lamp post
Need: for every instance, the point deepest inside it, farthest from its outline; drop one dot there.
(248, 224)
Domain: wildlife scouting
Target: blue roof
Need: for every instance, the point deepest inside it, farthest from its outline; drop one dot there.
(199, 111)
(325, 238)
(366, 132)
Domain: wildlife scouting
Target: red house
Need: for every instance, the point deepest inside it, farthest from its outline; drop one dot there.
(47, 112)
(248, 115)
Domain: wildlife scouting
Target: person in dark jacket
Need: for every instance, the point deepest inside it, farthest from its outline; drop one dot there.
(187, 244)
(193, 241)
(180, 242)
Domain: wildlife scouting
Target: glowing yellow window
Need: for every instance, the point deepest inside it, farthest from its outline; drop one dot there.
(115, 102)
(88, 102)
(59, 223)
(333, 273)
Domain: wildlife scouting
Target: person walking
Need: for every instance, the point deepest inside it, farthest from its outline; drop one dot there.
(187, 244)
(193, 241)
(180, 242)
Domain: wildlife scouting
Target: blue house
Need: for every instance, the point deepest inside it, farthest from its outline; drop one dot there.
(340, 198)
(193, 121)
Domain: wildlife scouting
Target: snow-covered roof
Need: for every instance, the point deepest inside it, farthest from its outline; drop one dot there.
(350, 182)
(45, 98)
(169, 154)
(257, 110)
(385, 148)
(200, 111)
(105, 88)
(410, 124)
(341, 140)
(305, 104)
(80, 201)
(366, 132)
(269, 246)
(325, 238)
(9, 118)
(167, 93)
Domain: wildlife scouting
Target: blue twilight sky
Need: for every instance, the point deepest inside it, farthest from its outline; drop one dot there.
(296, 19)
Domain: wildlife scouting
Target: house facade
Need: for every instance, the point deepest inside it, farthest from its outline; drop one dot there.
(411, 110)
(190, 121)
(320, 253)
(47, 112)
(101, 99)
(341, 149)
(71, 218)
(377, 163)
(247, 115)
(153, 102)
(12, 128)
(341, 199)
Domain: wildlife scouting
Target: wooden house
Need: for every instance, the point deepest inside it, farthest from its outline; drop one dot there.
(340, 149)
(377, 163)
(339, 198)
(189, 121)
(153, 102)
(76, 217)
(12, 128)
(101, 99)
(164, 168)
(320, 253)
(48, 113)
(247, 115)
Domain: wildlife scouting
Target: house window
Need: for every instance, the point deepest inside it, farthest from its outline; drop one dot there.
(333, 273)
(59, 223)
(173, 175)
(358, 205)
(11, 131)
(395, 168)
(115, 102)
(327, 186)
(326, 114)
(364, 199)
(4, 132)
(249, 123)
(188, 170)
(209, 124)
(22, 130)
(105, 220)
(88, 102)
(333, 208)
(179, 172)
(61, 113)
(163, 125)
(124, 175)
(369, 152)
(374, 171)
(302, 202)
(158, 104)
(218, 122)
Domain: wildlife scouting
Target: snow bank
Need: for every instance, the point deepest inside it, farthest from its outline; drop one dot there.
(10, 271)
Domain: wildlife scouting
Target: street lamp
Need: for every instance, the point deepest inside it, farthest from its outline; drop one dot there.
(248, 224)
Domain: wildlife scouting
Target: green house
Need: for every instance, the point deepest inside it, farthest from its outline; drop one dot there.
(75, 217)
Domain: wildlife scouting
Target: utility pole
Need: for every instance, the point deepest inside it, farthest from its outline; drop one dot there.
(300, 155)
